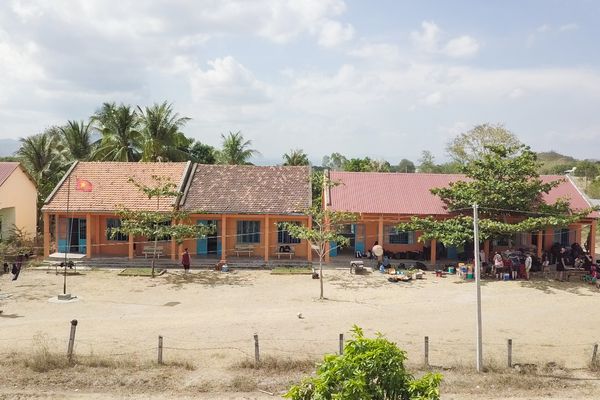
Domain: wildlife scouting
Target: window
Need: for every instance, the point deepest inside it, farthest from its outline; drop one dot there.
(283, 236)
(112, 223)
(562, 236)
(248, 232)
(395, 236)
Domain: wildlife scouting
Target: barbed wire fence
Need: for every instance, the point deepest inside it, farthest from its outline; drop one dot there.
(427, 351)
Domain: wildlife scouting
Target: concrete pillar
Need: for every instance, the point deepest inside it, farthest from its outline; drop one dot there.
(267, 237)
(540, 244)
(46, 235)
(223, 238)
(98, 248)
(433, 251)
(309, 253)
(88, 236)
(380, 231)
(130, 247)
(593, 239)
(56, 225)
(173, 244)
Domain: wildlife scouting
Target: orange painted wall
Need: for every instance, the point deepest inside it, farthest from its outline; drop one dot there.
(300, 250)
(372, 232)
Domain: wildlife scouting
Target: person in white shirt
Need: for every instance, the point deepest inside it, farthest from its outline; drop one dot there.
(528, 262)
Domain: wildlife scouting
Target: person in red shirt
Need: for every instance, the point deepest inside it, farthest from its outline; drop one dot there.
(185, 260)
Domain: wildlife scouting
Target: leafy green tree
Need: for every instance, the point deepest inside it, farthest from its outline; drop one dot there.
(427, 163)
(406, 166)
(202, 153)
(161, 136)
(235, 149)
(504, 183)
(156, 224)
(593, 189)
(120, 129)
(326, 229)
(335, 161)
(295, 157)
(369, 369)
(358, 165)
(588, 170)
(39, 155)
(76, 140)
(473, 144)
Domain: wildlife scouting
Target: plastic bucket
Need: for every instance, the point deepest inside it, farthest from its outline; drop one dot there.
(470, 275)
(451, 270)
(507, 277)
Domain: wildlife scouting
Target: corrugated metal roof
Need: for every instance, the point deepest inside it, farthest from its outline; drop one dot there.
(402, 193)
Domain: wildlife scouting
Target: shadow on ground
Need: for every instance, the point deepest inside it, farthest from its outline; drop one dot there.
(208, 278)
(551, 286)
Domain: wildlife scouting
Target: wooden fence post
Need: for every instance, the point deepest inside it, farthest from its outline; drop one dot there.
(426, 360)
(160, 350)
(341, 344)
(509, 343)
(256, 350)
(594, 354)
(71, 340)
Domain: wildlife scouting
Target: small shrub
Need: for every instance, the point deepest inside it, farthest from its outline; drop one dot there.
(368, 369)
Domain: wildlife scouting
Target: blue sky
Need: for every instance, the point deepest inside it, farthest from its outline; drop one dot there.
(384, 79)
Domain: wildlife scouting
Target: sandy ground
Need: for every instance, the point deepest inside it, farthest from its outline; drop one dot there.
(209, 319)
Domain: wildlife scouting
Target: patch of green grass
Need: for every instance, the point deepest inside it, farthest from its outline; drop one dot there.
(291, 271)
(141, 272)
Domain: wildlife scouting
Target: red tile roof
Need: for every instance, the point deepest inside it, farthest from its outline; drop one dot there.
(111, 188)
(248, 189)
(401, 193)
(6, 169)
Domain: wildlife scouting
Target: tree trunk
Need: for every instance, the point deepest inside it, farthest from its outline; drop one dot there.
(321, 277)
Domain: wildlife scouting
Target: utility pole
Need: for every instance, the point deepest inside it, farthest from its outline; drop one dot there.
(477, 285)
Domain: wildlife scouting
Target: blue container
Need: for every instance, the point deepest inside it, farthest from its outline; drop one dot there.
(507, 277)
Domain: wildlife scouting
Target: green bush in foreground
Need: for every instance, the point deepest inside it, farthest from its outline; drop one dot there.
(368, 369)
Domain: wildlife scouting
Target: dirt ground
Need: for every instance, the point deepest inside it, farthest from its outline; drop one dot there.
(208, 320)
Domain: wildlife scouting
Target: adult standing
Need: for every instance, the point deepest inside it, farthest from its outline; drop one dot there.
(561, 265)
(185, 260)
(498, 265)
(528, 262)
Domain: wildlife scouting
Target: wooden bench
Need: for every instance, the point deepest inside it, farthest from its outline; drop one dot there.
(284, 253)
(149, 251)
(243, 248)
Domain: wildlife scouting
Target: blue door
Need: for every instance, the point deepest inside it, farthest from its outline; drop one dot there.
(75, 241)
(359, 237)
(211, 244)
(333, 249)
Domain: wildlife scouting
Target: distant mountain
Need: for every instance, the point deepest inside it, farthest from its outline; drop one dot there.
(8, 147)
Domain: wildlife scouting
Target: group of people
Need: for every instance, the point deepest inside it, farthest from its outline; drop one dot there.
(502, 265)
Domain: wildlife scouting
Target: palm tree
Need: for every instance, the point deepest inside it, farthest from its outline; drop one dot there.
(162, 139)
(295, 157)
(235, 149)
(76, 140)
(43, 162)
(121, 139)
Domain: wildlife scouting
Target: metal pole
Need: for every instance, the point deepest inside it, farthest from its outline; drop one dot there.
(477, 285)
(69, 229)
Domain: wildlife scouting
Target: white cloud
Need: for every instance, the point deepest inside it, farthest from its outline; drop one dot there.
(568, 27)
(430, 39)
(462, 46)
(432, 99)
(427, 40)
(333, 33)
